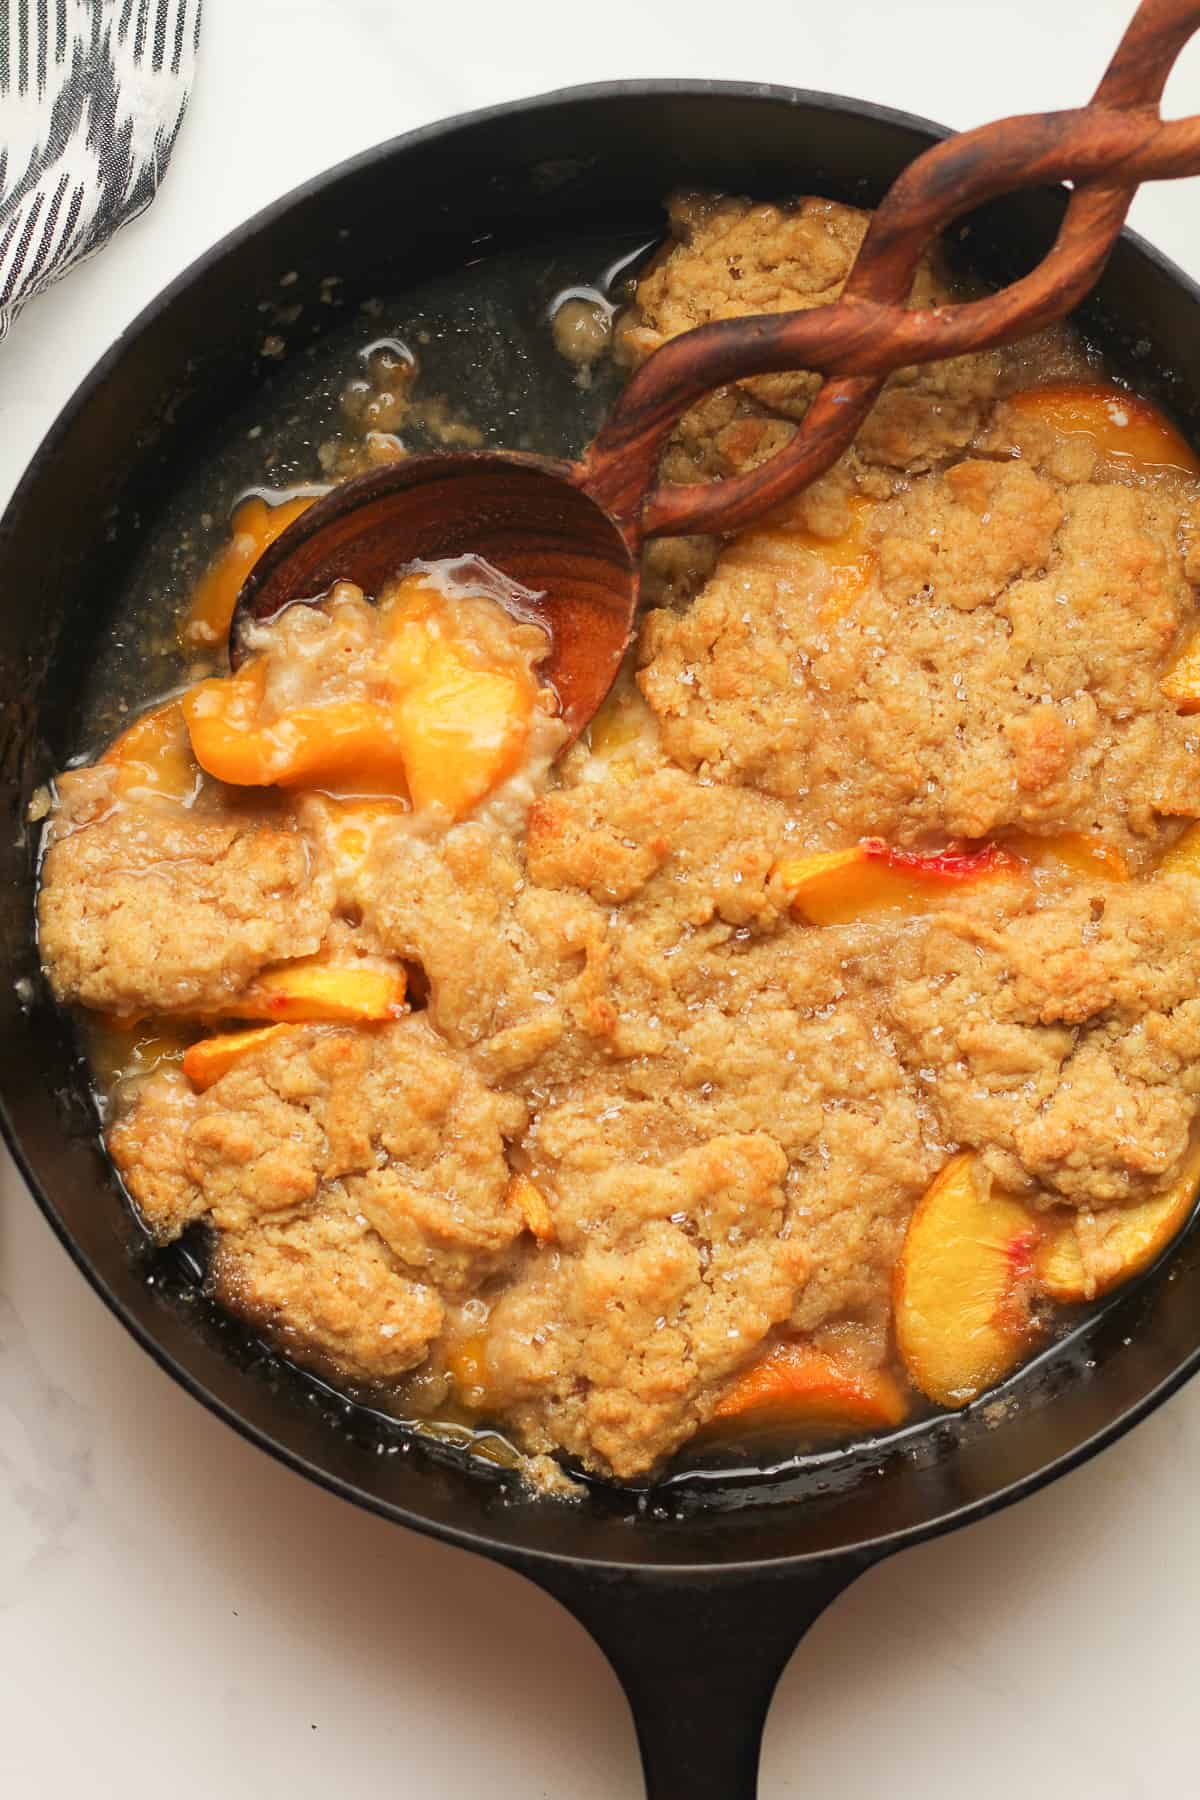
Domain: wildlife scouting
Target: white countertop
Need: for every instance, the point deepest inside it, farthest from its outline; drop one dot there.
(180, 1614)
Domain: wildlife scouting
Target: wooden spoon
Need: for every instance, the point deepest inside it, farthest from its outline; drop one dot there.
(573, 532)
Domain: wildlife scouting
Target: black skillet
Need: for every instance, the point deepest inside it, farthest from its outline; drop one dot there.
(699, 1590)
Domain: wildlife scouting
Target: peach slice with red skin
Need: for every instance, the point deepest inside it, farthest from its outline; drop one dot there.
(955, 863)
(335, 993)
(312, 991)
(298, 993)
(833, 887)
(1124, 1241)
(806, 1390)
(964, 1283)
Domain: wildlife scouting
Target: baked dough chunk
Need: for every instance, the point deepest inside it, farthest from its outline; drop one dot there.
(999, 667)
(1063, 1041)
(356, 1178)
(730, 258)
(696, 851)
(149, 907)
(326, 1287)
(612, 1348)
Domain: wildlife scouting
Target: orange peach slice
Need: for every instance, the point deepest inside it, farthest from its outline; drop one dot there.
(446, 730)
(333, 992)
(1082, 852)
(963, 1285)
(207, 1061)
(461, 732)
(847, 561)
(467, 1367)
(341, 743)
(1122, 425)
(154, 754)
(834, 887)
(255, 526)
(1183, 858)
(819, 875)
(1124, 1241)
(624, 726)
(809, 1391)
(1181, 683)
(353, 824)
(533, 1207)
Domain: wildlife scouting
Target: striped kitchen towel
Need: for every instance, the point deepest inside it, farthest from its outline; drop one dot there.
(92, 95)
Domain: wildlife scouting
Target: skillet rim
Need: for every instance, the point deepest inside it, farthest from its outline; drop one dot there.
(850, 1557)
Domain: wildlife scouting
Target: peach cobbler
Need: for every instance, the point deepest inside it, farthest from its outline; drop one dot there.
(787, 1053)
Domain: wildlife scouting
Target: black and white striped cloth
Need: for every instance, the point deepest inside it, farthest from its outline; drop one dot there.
(92, 95)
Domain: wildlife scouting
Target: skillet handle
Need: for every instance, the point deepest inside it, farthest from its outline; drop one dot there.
(698, 1657)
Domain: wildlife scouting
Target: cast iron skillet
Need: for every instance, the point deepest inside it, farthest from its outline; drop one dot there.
(698, 1591)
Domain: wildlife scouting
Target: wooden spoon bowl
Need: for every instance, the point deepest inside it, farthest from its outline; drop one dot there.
(524, 515)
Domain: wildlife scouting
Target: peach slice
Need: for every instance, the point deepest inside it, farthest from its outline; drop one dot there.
(533, 1206)
(1126, 1240)
(153, 754)
(467, 1367)
(1183, 858)
(443, 728)
(206, 1061)
(818, 879)
(624, 726)
(341, 743)
(809, 1391)
(1083, 852)
(352, 824)
(334, 992)
(1181, 683)
(464, 708)
(255, 526)
(963, 1284)
(833, 887)
(848, 561)
(461, 732)
(1122, 425)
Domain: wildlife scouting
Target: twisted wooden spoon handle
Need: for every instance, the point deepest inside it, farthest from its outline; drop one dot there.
(1103, 149)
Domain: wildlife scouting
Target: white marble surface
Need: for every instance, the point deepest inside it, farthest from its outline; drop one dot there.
(179, 1614)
